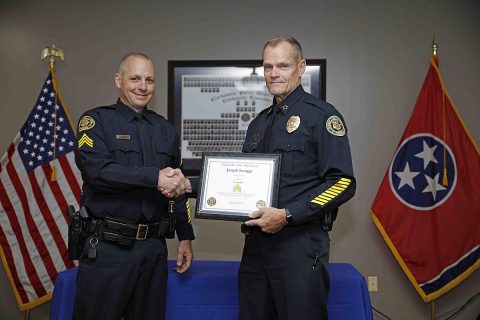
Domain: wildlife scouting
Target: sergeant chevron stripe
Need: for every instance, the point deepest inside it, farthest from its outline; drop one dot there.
(85, 140)
(332, 192)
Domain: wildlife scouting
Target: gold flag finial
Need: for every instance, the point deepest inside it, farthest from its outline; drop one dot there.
(434, 46)
(52, 52)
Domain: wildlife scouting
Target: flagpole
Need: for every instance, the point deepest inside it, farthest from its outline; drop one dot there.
(434, 46)
(53, 52)
(435, 52)
(432, 310)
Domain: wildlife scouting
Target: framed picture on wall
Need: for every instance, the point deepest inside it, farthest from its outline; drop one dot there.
(211, 103)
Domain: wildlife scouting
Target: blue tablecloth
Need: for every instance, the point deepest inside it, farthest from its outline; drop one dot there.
(209, 291)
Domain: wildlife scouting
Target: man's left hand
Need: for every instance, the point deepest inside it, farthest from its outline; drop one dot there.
(270, 220)
(184, 256)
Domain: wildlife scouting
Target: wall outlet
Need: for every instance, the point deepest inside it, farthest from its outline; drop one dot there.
(372, 282)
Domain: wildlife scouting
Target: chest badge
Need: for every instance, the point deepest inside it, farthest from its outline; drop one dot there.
(86, 123)
(293, 123)
(255, 138)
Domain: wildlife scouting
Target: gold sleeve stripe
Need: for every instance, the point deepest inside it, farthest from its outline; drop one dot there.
(336, 189)
(188, 212)
(326, 196)
(318, 202)
(323, 198)
(341, 184)
(332, 192)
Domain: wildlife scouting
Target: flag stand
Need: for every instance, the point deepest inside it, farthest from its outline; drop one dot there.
(27, 314)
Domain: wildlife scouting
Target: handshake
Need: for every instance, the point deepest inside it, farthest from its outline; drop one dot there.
(172, 183)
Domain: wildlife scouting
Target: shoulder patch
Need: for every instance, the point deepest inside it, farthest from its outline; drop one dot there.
(86, 122)
(335, 126)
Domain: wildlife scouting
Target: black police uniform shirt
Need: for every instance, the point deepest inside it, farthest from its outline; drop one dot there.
(316, 173)
(119, 154)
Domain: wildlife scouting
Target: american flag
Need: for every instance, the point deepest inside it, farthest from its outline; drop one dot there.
(38, 179)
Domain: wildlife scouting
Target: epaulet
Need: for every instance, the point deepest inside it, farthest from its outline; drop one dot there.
(153, 113)
(314, 101)
(265, 110)
(318, 103)
(104, 107)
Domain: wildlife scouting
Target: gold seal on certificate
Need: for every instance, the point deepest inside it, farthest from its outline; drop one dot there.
(234, 184)
(211, 201)
(260, 204)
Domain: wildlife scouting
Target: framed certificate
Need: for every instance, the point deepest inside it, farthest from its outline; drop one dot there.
(212, 102)
(234, 184)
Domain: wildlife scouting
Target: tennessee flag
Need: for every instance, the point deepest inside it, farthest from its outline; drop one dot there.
(427, 208)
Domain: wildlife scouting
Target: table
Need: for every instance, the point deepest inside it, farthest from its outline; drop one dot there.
(209, 291)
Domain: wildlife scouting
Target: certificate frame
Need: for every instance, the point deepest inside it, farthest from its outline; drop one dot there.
(242, 172)
(179, 111)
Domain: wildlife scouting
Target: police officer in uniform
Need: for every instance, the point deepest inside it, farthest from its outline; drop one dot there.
(283, 272)
(124, 153)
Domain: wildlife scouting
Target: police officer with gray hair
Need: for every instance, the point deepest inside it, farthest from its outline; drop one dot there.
(283, 273)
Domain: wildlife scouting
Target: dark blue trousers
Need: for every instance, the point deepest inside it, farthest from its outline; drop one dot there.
(285, 276)
(128, 282)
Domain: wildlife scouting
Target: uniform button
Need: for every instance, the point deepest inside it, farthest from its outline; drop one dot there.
(288, 146)
(125, 179)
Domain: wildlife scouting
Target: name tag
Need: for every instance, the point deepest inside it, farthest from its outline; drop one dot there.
(123, 136)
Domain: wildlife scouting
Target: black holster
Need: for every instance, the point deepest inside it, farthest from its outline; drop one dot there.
(329, 218)
(77, 231)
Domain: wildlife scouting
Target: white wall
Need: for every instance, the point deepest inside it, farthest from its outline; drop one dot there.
(377, 57)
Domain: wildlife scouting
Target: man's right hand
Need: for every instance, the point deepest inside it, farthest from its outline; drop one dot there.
(172, 182)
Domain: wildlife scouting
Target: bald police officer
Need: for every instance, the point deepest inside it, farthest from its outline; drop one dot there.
(124, 153)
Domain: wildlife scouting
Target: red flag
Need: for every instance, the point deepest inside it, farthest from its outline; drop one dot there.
(428, 205)
(38, 178)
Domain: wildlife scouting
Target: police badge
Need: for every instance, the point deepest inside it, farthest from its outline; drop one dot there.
(293, 123)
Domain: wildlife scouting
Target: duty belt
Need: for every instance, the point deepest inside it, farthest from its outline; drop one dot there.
(124, 233)
(138, 231)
